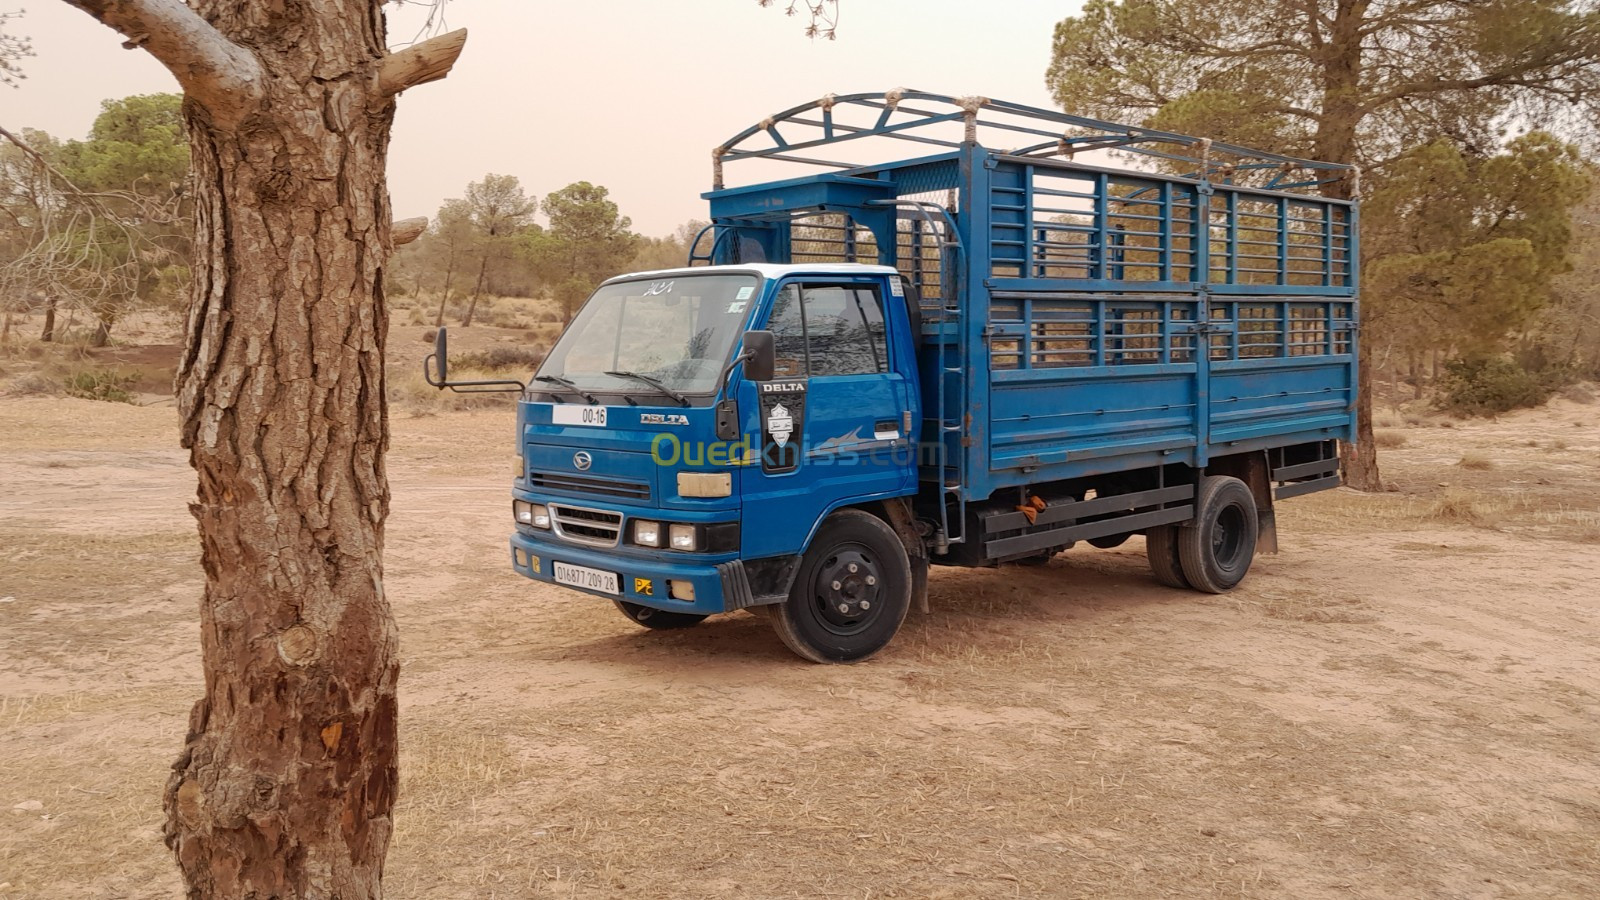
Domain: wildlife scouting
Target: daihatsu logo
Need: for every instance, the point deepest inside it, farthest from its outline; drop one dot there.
(582, 460)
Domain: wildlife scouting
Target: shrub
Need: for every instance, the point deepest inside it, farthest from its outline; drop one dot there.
(500, 359)
(32, 385)
(1462, 506)
(101, 384)
(1472, 459)
(1485, 387)
(1388, 439)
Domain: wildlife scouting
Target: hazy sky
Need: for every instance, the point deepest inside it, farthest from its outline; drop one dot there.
(631, 94)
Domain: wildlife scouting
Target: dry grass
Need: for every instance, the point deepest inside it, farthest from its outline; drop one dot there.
(1389, 439)
(1473, 459)
(1465, 508)
(411, 392)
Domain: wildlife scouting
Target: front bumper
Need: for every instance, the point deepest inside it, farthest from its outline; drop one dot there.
(642, 580)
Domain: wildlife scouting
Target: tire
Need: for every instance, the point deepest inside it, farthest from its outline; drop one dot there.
(1161, 548)
(1217, 547)
(657, 619)
(1110, 541)
(863, 556)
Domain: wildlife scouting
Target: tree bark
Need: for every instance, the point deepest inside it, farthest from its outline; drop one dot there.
(286, 784)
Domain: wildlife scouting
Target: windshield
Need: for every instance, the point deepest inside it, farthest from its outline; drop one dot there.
(677, 331)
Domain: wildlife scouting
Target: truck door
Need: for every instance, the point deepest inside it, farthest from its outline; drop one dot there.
(832, 421)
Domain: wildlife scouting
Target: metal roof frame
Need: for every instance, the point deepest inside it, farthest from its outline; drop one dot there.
(920, 117)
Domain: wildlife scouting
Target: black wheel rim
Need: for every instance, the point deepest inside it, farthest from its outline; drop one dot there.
(847, 590)
(1227, 536)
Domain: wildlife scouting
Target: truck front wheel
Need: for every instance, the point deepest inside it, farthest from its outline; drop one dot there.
(1217, 547)
(851, 593)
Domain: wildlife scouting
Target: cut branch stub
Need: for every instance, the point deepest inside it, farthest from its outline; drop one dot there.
(421, 63)
(404, 231)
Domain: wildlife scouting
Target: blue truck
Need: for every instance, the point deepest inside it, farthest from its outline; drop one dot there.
(972, 356)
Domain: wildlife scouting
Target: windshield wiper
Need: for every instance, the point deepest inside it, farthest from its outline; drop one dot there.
(569, 385)
(646, 379)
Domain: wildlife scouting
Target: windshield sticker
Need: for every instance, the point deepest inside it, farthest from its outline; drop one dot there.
(897, 287)
(659, 287)
(737, 306)
(745, 293)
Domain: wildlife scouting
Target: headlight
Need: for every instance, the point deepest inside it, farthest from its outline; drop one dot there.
(685, 537)
(534, 514)
(647, 534)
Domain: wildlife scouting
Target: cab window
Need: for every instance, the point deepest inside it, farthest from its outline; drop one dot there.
(829, 329)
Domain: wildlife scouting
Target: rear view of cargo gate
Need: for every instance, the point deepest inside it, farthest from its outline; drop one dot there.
(1037, 330)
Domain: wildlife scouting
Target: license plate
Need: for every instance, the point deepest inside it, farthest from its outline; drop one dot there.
(587, 578)
(591, 416)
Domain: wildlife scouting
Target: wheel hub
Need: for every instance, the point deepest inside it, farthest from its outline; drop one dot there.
(848, 588)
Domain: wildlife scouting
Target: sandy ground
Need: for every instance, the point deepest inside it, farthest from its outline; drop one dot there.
(1404, 703)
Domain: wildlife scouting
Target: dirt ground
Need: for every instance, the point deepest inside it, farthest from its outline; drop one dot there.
(1404, 703)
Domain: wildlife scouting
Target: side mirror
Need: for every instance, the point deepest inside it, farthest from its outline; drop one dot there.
(761, 348)
(436, 368)
(436, 371)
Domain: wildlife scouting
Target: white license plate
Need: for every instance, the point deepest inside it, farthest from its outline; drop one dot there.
(587, 578)
(592, 416)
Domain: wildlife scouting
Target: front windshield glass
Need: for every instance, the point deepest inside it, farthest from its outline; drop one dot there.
(678, 331)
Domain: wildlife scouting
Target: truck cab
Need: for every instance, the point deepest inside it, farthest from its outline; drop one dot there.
(630, 489)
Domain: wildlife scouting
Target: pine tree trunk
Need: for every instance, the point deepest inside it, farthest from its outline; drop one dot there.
(1335, 141)
(49, 333)
(1361, 460)
(287, 783)
(476, 290)
(449, 274)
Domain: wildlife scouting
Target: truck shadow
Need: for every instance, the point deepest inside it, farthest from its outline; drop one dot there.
(971, 611)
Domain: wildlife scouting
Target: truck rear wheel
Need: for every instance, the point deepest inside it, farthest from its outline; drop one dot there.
(851, 593)
(1217, 547)
(657, 619)
(1161, 548)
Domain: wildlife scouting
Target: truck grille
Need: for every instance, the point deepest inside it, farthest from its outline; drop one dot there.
(596, 527)
(586, 484)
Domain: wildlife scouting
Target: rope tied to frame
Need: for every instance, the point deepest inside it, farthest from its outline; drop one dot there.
(971, 105)
(894, 97)
(716, 167)
(828, 102)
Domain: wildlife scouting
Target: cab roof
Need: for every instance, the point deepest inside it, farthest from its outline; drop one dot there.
(766, 270)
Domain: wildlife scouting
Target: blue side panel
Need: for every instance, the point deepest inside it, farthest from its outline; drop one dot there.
(1285, 400)
(1052, 424)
